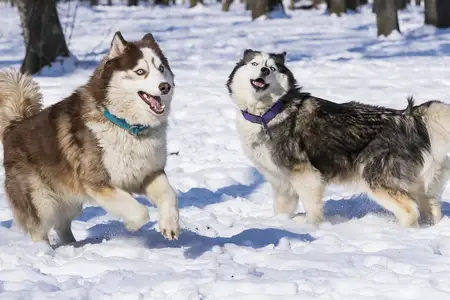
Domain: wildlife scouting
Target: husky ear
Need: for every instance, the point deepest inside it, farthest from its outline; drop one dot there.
(249, 54)
(149, 37)
(248, 51)
(118, 45)
(281, 57)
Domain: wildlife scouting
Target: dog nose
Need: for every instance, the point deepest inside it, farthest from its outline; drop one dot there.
(265, 71)
(164, 87)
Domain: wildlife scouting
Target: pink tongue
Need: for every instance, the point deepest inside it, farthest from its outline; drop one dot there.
(155, 103)
(260, 84)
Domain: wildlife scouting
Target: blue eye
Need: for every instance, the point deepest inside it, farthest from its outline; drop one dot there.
(254, 64)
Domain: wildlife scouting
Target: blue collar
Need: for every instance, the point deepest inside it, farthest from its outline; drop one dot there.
(134, 130)
(268, 116)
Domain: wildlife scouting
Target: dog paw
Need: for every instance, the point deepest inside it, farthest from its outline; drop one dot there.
(314, 218)
(169, 223)
(138, 221)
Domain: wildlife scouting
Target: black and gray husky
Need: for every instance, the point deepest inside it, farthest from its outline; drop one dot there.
(301, 143)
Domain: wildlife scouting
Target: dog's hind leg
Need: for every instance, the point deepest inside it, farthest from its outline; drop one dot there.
(430, 207)
(435, 210)
(63, 228)
(65, 232)
(400, 204)
(286, 200)
(308, 184)
(27, 203)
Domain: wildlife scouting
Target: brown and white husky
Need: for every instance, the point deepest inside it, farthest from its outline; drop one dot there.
(99, 145)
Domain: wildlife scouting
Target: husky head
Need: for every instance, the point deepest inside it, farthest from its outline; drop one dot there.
(134, 81)
(259, 79)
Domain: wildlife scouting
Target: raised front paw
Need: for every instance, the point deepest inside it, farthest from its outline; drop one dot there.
(169, 223)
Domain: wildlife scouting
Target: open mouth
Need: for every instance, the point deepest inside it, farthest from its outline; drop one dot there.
(259, 84)
(154, 102)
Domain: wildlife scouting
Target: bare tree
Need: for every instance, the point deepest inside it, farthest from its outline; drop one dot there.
(401, 4)
(443, 13)
(418, 2)
(292, 4)
(162, 2)
(337, 7)
(430, 12)
(387, 19)
(93, 2)
(265, 7)
(133, 2)
(363, 2)
(42, 32)
(193, 3)
(110, 2)
(226, 4)
(352, 4)
(247, 5)
(316, 3)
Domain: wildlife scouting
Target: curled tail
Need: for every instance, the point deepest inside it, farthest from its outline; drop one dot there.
(20, 98)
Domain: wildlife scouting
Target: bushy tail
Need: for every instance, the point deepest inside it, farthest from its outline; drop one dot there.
(20, 97)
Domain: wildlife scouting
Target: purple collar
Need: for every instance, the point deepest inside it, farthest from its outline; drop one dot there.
(268, 116)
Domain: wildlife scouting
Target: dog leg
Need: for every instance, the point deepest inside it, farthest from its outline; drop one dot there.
(159, 191)
(65, 233)
(436, 191)
(435, 208)
(286, 202)
(122, 204)
(310, 187)
(400, 204)
(63, 227)
(40, 235)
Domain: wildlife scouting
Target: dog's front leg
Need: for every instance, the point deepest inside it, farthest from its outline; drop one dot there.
(163, 196)
(122, 204)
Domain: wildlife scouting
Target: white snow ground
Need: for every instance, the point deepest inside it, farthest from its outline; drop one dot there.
(232, 247)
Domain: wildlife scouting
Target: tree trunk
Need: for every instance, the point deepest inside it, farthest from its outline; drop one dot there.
(133, 2)
(430, 12)
(276, 5)
(248, 5)
(162, 2)
(292, 4)
(401, 4)
(265, 7)
(363, 2)
(226, 5)
(387, 19)
(443, 13)
(418, 2)
(193, 3)
(337, 7)
(93, 2)
(316, 3)
(352, 4)
(42, 33)
(259, 8)
(110, 2)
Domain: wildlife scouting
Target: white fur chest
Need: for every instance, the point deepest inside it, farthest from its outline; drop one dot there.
(129, 159)
(255, 150)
